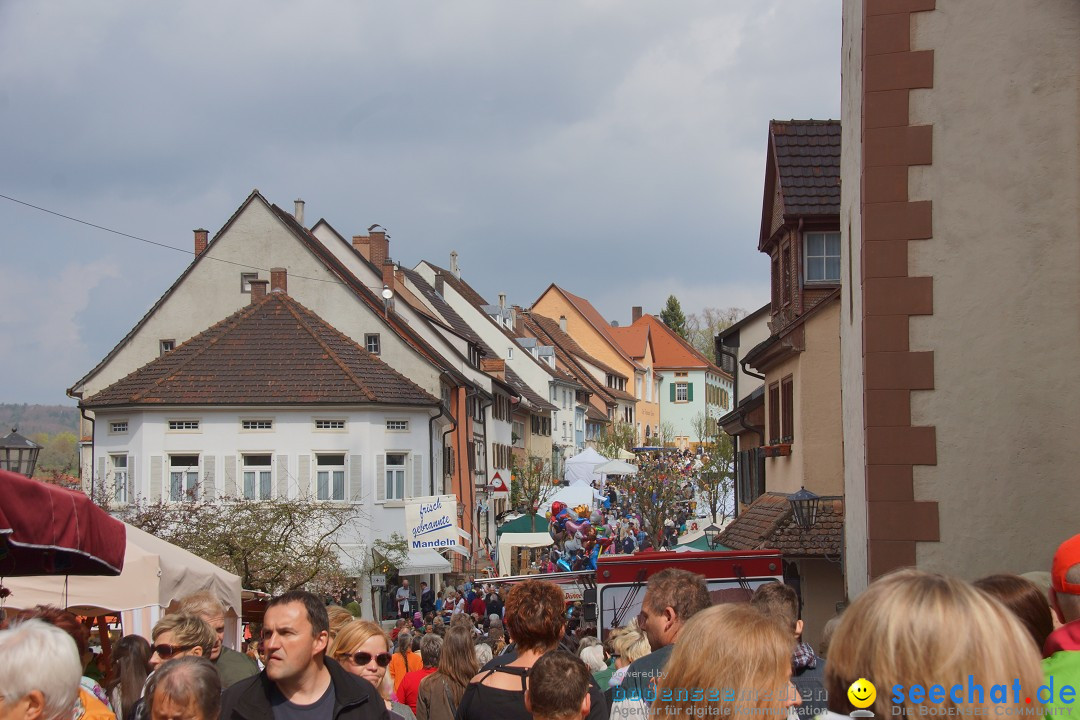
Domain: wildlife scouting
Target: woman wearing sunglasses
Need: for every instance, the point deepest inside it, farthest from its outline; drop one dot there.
(363, 649)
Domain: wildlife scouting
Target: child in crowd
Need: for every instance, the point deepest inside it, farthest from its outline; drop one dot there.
(558, 688)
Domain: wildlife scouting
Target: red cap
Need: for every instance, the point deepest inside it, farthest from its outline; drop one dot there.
(1067, 555)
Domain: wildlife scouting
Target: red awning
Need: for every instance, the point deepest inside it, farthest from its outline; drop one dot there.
(47, 530)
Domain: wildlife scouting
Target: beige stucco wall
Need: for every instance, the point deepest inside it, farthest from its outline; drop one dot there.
(816, 459)
(851, 331)
(1005, 183)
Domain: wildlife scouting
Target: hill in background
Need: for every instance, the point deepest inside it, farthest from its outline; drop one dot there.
(33, 419)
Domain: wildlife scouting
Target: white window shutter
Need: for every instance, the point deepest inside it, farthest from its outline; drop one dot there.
(380, 477)
(209, 477)
(283, 476)
(304, 476)
(157, 467)
(356, 486)
(104, 481)
(131, 478)
(418, 476)
(229, 488)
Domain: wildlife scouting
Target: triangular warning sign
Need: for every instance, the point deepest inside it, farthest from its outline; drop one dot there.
(497, 484)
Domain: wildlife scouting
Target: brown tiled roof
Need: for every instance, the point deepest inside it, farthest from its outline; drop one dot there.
(671, 351)
(447, 312)
(808, 161)
(463, 288)
(634, 339)
(592, 413)
(516, 382)
(275, 351)
(544, 331)
(563, 340)
(770, 523)
(593, 316)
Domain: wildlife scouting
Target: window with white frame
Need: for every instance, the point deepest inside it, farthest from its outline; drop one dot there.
(183, 477)
(682, 392)
(119, 477)
(257, 480)
(822, 256)
(118, 426)
(183, 425)
(330, 477)
(165, 346)
(395, 476)
(245, 281)
(371, 342)
(256, 424)
(637, 387)
(518, 431)
(329, 424)
(509, 353)
(397, 425)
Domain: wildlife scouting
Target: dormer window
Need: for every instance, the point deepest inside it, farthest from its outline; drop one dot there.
(822, 256)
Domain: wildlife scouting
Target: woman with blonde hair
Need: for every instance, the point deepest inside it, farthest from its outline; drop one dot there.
(629, 644)
(730, 661)
(912, 628)
(363, 649)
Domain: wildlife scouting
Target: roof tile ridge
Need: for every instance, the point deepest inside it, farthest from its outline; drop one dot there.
(209, 337)
(710, 365)
(307, 325)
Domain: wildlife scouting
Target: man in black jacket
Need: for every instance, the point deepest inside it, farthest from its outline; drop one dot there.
(299, 680)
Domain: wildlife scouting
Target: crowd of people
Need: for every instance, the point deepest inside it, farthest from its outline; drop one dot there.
(1001, 646)
(582, 533)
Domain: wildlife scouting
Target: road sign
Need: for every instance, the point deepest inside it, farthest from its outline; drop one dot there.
(498, 485)
(378, 581)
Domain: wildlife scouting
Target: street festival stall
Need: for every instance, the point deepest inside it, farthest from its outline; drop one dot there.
(578, 494)
(582, 467)
(155, 575)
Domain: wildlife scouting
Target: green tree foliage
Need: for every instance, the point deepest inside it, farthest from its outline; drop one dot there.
(59, 454)
(531, 483)
(672, 316)
(703, 327)
(273, 545)
(614, 437)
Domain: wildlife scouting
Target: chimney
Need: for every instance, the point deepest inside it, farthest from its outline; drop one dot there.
(362, 245)
(438, 282)
(502, 301)
(279, 280)
(380, 247)
(298, 213)
(202, 239)
(258, 290)
(388, 274)
(519, 321)
(562, 323)
(496, 367)
(636, 313)
(454, 269)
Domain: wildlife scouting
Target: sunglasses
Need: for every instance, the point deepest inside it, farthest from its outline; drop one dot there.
(363, 658)
(167, 651)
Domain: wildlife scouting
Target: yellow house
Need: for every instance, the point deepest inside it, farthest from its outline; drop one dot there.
(582, 322)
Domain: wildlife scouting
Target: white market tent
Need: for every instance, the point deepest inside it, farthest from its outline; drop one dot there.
(581, 467)
(616, 467)
(574, 494)
(156, 574)
(509, 541)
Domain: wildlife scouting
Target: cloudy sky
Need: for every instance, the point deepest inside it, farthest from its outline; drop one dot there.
(615, 147)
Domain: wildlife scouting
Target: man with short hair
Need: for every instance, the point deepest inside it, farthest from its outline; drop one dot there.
(781, 603)
(232, 666)
(558, 688)
(402, 597)
(299, 680)
(1061, 653)
(427, 599)
(672, 597)
(188, 687)
(39, 672)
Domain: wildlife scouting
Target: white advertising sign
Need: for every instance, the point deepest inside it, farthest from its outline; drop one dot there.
(431, 522)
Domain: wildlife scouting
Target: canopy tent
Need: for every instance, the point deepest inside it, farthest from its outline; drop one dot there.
(48, 530)
(574, 494)
(524, 524)
(580, 468)
(625, 455)
(509, 541)
(155, 575)
(616, 467)
(424, 561)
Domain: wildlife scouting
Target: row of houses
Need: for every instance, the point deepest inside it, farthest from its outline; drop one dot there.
(290, 361)
(915, 367)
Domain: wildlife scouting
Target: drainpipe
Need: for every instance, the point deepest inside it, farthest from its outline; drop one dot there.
(93, 434)
(721, 349)
(472, 491)
(431, 433)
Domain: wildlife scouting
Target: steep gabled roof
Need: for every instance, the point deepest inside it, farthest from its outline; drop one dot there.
(804, 157)
(447, 312)
(671, 351)
(463, 288)
(274, 351)
(548, 330)
(594, 318)
(516, 382)
(562, 340)
(770, 523)
(634, 339)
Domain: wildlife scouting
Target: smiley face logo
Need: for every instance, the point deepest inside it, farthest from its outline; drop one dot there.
(862, 693)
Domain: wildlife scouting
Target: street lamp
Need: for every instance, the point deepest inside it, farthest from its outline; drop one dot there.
(712, 536)
(18, 454)
(804, 504)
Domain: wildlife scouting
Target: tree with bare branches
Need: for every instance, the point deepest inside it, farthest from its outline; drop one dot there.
(531, 483)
